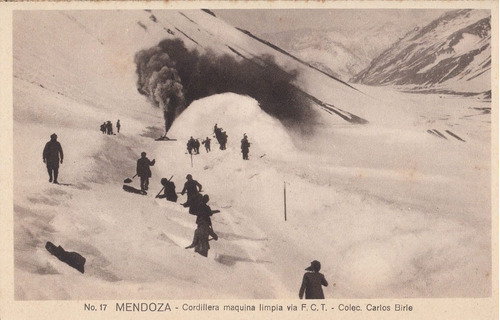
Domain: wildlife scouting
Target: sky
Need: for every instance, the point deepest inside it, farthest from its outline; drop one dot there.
(279, 20)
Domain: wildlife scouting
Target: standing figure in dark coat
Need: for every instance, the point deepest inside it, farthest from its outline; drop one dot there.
(192, 187)
(245, 147)
(223, 140)
(109, 128)
(204, 229)
(118, 125)
(168, 190)
(52, 154)
(143, 170)
(103, 128)
(206, 143)
(191, 145)
(312, 282)
(219, 135)
(197, 146)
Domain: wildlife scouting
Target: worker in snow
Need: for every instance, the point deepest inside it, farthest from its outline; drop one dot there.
(118, 125)
(192, 187)
(168, 190)
(245, 146)
(204, 228)
(109, 128)
(196, 146)
(206, 143)
(221, 137)
(144, 170)
(312, 282)
(223, 140)
(191, 145)
(52, 155)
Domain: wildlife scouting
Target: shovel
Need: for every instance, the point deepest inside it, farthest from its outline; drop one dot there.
(128, 180)
(159, 192)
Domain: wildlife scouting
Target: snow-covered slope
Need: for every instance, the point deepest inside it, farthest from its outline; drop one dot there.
(382, 206)
(199, 30)
(452, 53)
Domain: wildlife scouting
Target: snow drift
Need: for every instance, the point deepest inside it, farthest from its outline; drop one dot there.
(237, 115)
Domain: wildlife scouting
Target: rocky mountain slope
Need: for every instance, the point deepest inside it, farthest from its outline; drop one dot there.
(451, 54)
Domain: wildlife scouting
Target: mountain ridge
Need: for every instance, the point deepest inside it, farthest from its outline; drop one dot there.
(446, 55)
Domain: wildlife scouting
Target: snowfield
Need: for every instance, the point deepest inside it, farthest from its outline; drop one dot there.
(390, 210)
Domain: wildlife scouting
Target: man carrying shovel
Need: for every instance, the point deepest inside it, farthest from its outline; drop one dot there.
(204, 227)
(168, 190)
(144, 171)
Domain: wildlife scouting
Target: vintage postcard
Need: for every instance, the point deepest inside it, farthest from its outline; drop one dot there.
(241, 160)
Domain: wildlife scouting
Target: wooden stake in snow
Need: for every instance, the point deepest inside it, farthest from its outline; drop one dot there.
(191, 159)
(284, 197)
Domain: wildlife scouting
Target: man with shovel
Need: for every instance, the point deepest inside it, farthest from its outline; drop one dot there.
(168, 190)
(204, 228)
(144, 171)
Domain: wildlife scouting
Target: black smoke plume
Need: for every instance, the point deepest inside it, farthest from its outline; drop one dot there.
(172, 77)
